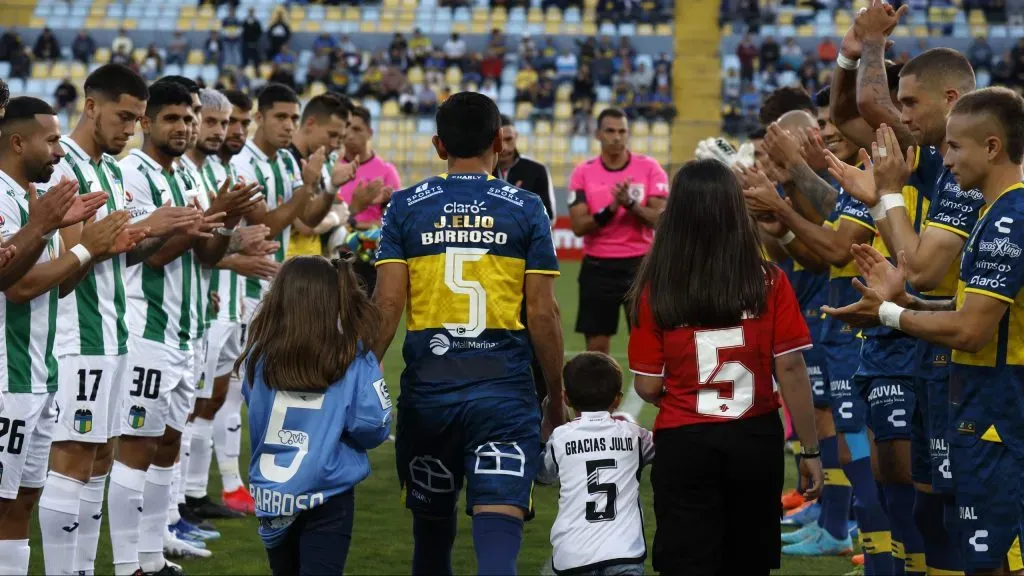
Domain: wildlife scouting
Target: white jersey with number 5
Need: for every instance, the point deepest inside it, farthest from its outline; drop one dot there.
(597, 460)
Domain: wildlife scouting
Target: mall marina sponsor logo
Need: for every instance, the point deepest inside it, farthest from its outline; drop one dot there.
(440, 344)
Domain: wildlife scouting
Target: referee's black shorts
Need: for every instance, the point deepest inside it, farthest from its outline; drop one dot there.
(716, 497)
(604, 283)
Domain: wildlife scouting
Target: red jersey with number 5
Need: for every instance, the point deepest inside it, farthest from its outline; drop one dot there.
(718, 374)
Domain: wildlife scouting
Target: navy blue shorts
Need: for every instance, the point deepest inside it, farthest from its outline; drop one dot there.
(492, 443)
(891, 403)
(817, 371)
(989, 500)
(939, 434)
(849, 411)
(920, 451)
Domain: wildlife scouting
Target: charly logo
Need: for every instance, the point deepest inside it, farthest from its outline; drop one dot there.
(440, 344)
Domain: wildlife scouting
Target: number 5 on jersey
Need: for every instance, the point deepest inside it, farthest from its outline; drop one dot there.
(710, 370)
(454, 277)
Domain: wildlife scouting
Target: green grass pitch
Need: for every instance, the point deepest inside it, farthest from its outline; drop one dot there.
(382, 539)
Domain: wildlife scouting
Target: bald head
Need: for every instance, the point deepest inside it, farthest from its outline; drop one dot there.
(797, 120)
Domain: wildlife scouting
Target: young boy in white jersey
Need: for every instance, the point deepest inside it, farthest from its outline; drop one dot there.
(597, 459)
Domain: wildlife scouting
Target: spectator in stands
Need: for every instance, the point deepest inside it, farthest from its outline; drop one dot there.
(398, 49)
(338, 80)
(65, 97)
(489, 88)
(370, 85)
(980, 53)
(124, 58)
(769, 80)
(662, 75)
(546, 58)
(770, 53)
(319, 67)
(152, 66)
(747, 53)
(1017, 64)
(527, 49)
(455, 50)
(642, 79)
(435, 63)
(9, 43)
(622, 95)
(827, 51)
(231, 39)
(21, 62)
(279, 33)
(392, 82)
(525, 79)
(471, 71)
(566, 66)
(792, 56)
(1001, 69)
(497, 42)
(608, 11)
(177, 49)
(492, 66)
(419, 47)
(83, 47)
(212, 49)
(732, 85)
(583, 91)
(251, 33)
(283, 71)
(750, 101)
(426, 99)
(542, 96)
(661, 105)
(122, 40)
(407, 100)
(46, 49)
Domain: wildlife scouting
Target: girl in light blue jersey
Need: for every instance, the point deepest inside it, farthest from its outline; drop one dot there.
(317, 403)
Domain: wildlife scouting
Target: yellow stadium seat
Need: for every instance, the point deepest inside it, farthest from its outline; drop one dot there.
(976, 17)
(843, 20)
(139, 54)
(405, 27)
(368, 26)
(453, 76)
(784, 19)
(313, 26)
(595, 147)
(480, 14)
(543, 147)
(103, 55)
(563, 110)
(78, 71)
(206, 11)
(195, 57)
(553, 14)
(480, 27)
(333, 13)
(60, 70)
(460, 27)
(663, 29)
(40, 70)
(111, 23)
(184, 24)
(979, 30)
(542, 127)
(644, 30)
(589, 28)
(524, 146)
(552, 27)
(204, 24)
(97, 12)
(265, 70)
(415, 75)
(562, 92)
(641, 145)
(390, 109)
(805, 31)
(560, 146)
(499, 15)
(640, 128)
(297, 13)
(407, 16)
(901, 31)
(660, 129)
(187, 11)
(91, 23)
(523, 110)
(37, 22)
(920, 31)
(411, 4)
(390, 4)
(660, 146)
(534, 16)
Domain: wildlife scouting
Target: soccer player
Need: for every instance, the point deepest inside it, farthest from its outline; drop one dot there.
(597, 460)
(323, 125)
(523, 171)
(6, 251)
(614, 202)
(468, 409)
(369, 190)
(985, 148)
(930, 85)
(161, 314)
(311, 368)
(29, 149)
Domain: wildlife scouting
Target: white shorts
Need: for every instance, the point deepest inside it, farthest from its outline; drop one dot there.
(199, 370)
(223, 345)
(26, 431)
(160, 391)
(89, 397)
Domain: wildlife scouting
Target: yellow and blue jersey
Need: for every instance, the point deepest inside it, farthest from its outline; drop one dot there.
(469, 240)
(987, 387)
(840, 288)
(887, 352)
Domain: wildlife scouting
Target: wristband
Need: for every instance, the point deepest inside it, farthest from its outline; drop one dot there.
(223, 231)
(604, 216)
(787, 238)
(889, 314)
(82, 253)
(810, 455)
(885, 203)
(847, 63)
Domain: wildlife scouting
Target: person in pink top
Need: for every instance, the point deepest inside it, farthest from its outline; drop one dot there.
(374, 177)
(615, 201)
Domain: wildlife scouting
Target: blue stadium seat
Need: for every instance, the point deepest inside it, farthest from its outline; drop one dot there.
(79, 10)
(608, 29)
(43, 11)
(374, 107)
(604, 93)
(5, 70)
(209, 74)
(332, 27)
(173, 70)
(571, 15)
(517, 14)
(58, 22)
(371, 14)
(443, 27)
(134, 12)
(627, 29)
(508, 91)
(115, 11)
(425, 126)
(514, 28)
(579, 145)
(461, 14)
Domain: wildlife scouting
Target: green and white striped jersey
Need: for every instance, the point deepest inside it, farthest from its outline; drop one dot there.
(279, 177)
(196, 182)
(91, 321)
(227, 284)
(161, 306)
(27, 331)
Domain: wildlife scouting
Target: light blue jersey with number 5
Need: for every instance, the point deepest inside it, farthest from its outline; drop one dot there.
(309, 446)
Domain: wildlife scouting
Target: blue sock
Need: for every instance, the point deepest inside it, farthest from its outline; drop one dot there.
(940, 550)
(906, 538)
(433, 539)
(497, 538)
(875, 537)
(835, 496)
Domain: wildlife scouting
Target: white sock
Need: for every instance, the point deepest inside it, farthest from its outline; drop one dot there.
(124, 518)
(198, 476)
(180, 475)
(156, 496)
(58, 522)
(172, 506)
(14, 555)
(227, 436)
(90, 517)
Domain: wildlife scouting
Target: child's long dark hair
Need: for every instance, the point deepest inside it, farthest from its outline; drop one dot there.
(310, 326)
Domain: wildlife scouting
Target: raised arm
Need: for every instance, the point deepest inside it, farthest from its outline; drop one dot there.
(874, 102)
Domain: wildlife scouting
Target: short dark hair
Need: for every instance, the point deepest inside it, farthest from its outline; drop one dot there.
(111, 81)
(593, 380)
(5, 93)
(21, 109)
(942, 66)
(363, 113)
(187, 83)
(467, 124)
(757, 134)
(506, 120)
(1004, 105)
(785, 99)
(821, 99)
(609, 113)
(273, 93)
(239, 99)
(324, 106)
(892, 74)
(163, 94)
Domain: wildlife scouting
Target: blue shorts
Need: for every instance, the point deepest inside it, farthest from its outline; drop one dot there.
(920, 452)
(989, 500)
(818, 373)
(494, 443)
(891, 403)
(849, 410)
(939, 434)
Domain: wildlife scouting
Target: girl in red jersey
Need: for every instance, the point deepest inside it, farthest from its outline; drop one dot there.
(713, 323)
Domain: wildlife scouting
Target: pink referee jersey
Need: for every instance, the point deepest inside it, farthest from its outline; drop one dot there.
(625, 236)
(367, 172)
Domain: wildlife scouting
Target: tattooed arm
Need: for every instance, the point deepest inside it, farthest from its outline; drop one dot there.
(812, 197)
(873, 99)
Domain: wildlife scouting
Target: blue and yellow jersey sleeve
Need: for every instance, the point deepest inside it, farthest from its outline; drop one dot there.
(390, 249)
(993, 265)
(954, 209)
(853, 210)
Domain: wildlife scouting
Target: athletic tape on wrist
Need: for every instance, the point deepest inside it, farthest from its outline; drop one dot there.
(889, 313)
(82, 253)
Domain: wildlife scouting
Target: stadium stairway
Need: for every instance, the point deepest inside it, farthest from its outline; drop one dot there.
(16, 13)
(696, 74)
